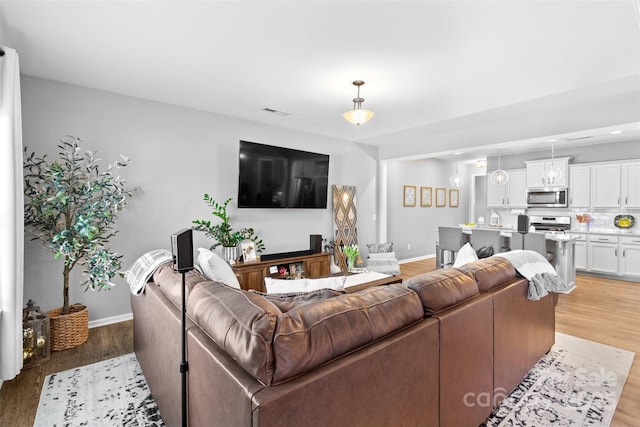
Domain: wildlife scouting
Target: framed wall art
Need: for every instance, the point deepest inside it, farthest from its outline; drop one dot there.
(454, 198)
(426, 196)
(441, 197)
(409, 195)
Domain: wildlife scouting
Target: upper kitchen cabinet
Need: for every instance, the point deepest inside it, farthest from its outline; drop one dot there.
(579, 186)
(511, 195)
(536, 168)
(605, 185)
(630, 185)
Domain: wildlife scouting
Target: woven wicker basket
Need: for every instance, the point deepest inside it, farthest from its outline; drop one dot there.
(69, 330)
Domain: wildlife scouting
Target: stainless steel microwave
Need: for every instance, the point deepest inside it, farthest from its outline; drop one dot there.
(547, 198)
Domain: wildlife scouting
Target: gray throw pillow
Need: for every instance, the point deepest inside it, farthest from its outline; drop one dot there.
(378, 248)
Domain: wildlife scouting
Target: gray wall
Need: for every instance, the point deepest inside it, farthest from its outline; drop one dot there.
(418, 226)
(589, 153)
(177, 154)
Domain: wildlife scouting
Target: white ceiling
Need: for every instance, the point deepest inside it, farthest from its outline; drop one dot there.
(426, 64)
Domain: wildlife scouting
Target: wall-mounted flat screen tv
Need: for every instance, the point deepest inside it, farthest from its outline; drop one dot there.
(278, 177)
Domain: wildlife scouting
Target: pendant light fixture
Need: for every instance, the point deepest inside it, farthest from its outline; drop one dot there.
(551, 174)
(456, 179)
(499, 176)
(358, 115)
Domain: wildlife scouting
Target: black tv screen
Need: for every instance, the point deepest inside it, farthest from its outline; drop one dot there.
(278, 177)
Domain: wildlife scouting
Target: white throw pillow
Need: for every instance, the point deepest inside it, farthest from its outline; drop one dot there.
(465, 255)
(283, 286)
(215, 268)
(383, 255)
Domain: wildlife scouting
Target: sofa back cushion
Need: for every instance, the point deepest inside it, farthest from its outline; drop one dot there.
(442, 289)
(170, 282)
(242, 323)
(313, 334)
(491, 272)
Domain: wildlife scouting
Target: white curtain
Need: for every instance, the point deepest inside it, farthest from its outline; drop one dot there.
(11, 217)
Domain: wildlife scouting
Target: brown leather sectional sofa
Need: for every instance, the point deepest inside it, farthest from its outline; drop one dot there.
(442, 349)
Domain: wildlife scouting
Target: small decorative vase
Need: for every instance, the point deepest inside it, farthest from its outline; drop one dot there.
(333, 268)
(230, 254)
(350, 263)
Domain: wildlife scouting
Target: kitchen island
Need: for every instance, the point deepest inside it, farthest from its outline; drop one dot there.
(560, 248)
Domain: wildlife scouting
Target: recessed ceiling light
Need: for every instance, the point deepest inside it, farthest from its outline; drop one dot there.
(551, 140)
(274, 111)
(615, 132)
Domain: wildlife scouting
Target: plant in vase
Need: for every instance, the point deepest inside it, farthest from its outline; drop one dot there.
(223, 233)
(351, 252)
(329, 246)
(71, 207)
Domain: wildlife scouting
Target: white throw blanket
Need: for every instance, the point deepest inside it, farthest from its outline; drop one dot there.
(538, 271)
(139, 273)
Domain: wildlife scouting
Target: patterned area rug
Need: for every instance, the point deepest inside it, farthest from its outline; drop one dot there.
(578, 383)
(109, 393)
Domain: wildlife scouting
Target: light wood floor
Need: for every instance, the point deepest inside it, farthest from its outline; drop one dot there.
(600, 310)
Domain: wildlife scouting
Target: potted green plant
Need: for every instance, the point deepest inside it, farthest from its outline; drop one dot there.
(223, 233)
(71, 207)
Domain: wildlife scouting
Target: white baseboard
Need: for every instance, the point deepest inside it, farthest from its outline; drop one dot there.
(420, 258)
(110, 320)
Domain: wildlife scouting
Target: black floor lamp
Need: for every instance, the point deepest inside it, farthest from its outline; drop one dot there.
(182, 251)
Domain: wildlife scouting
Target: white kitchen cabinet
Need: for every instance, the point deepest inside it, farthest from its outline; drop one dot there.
(511, 195)
(605, 185)
(579, 186)
(602, 254)
(580, 253)
(630, 256)
(630, 185)
(536, 168)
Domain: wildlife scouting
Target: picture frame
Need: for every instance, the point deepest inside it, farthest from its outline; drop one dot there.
(426, 196)
(296, 270)
(441, 197)
(409, 195)
(248, 248)
(454, 198)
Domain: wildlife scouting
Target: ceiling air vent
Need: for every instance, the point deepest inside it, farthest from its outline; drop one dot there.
(273, 111)
(577, 138)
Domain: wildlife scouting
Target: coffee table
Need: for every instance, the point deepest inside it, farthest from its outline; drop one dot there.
(359, 281)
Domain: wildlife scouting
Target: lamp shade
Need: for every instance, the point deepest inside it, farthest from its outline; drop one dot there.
(552, 174)
(499, 177)
(358, 116)
(456, 180)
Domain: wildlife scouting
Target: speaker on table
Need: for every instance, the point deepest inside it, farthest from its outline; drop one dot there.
(315, 243)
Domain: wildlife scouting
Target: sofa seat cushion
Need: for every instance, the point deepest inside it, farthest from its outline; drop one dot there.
(242, 323)
(285, 286)
(490, 273)
(286, 302)
(442, 289)
(313, 334)
(170, 282)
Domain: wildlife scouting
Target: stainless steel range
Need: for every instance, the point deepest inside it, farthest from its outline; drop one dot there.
(550, 224)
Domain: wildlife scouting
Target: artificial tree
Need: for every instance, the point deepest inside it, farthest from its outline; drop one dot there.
(72, 207)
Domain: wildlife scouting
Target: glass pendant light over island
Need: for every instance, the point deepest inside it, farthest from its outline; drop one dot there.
(499, 176)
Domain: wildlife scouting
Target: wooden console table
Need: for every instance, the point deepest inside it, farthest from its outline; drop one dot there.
(251, 274)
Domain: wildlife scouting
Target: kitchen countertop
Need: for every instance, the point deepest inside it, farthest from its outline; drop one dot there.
(621, 232)
(508, 231)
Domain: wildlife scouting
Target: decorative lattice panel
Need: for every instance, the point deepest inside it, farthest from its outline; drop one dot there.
(345, 220)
